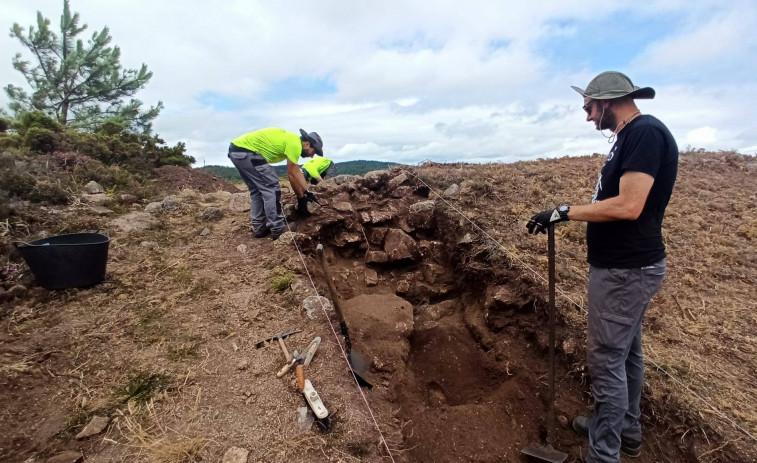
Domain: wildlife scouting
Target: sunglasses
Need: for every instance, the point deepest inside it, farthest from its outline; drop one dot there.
(587, 107)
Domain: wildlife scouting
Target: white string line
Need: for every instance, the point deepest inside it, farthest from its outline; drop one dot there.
(344, 353)
(566, 296)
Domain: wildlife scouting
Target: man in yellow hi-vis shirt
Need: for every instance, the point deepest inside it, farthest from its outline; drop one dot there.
(253, 153)
(317, 169)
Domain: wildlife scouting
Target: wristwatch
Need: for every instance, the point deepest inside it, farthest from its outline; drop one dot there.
(563, 211)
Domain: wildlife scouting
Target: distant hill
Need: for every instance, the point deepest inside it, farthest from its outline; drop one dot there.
(343, 168)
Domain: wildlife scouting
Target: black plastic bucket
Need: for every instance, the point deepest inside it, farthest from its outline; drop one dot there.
(67, 261)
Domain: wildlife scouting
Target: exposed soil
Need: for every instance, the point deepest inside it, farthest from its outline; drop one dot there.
(452, 323)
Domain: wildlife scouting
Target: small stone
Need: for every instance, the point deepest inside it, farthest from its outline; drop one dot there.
(343, 206)
(243, 364)
(149, 244)
(242, 248)
(68, 456)
(205, 232)
(403, 287)
(211, 214)
(127, 199)
(95, 426)
(93, 188)
(100, 210)
(467, 239)
(235, 455)
(563, 421)
(371, 277)
(154, 208)
(452, 191)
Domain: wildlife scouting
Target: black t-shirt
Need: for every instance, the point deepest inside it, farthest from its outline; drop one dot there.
(644, 145)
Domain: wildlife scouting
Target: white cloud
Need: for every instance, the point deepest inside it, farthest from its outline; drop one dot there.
(420, 80)
(701, 136)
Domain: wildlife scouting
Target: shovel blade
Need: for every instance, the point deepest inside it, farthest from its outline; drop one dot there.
(361, 369)
(545, 453)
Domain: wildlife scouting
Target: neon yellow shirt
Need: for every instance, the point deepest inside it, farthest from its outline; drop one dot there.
(273, 143)
(316, 166)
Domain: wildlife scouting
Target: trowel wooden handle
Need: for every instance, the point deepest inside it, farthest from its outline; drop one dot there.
(284, 349)
(284, 369)
(300, 377)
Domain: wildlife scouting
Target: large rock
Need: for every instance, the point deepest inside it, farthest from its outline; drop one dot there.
(398, 245)
(239, 202)
(397, 180)
(377, 216)
(421, 214)
(374, 180)
(344, 179)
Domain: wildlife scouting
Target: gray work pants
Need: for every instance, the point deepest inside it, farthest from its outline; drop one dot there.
(618, 299)
(265, 191)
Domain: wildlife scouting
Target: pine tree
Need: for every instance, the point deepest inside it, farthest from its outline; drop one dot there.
(79, 84)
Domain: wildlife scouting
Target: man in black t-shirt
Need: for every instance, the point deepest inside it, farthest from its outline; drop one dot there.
(626, 256)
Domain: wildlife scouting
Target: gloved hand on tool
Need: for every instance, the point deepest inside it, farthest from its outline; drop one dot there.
(302, 202)
(302, 205)
(310, 197)
(540, 222)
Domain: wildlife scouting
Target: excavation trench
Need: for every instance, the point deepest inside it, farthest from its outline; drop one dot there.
(457, 345)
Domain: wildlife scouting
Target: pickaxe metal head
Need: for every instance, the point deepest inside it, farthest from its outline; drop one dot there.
(275, 337)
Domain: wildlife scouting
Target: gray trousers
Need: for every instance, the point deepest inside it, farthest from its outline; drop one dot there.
(265, 191)
(618, 300)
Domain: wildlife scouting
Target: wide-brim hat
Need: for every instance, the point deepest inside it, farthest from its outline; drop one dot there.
(315, 141)
(612, 84)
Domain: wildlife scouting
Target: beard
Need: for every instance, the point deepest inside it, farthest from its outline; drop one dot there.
(607, 120)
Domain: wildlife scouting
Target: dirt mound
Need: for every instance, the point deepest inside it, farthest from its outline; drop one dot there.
(443, 293)
(175, 178)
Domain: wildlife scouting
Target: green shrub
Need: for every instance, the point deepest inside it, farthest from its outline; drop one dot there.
(48, 192)
(282, 279)
(41, 140)
(8, 140)
(36, 119)
(16, 183)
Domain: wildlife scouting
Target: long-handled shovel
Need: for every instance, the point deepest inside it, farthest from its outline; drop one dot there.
(357, 362)
(547, 452)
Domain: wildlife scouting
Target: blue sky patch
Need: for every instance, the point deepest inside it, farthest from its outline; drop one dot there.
(299, 88)
(219, 101)
(610, 43)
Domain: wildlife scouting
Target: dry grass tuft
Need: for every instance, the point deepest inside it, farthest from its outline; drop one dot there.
(141, 427)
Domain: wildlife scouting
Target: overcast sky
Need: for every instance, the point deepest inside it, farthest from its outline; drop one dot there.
(408, 81)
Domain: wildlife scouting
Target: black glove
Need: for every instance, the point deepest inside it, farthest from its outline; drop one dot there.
(310, 197)
(540, 222)
(302, 205)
